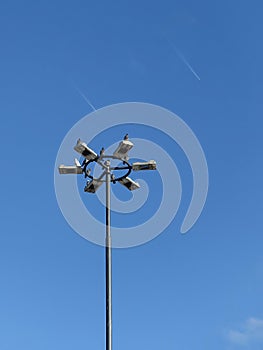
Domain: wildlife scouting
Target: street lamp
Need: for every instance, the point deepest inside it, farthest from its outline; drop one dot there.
(107, 176)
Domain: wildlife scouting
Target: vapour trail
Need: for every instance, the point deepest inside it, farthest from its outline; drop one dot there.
(183, 59)
(180, 55)
(85, 98)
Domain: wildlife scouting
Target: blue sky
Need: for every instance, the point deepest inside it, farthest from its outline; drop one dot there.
(202, 290)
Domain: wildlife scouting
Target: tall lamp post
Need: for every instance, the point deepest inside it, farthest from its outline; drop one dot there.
(107, 176)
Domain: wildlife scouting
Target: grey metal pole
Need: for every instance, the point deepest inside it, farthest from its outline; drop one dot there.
(108, 262)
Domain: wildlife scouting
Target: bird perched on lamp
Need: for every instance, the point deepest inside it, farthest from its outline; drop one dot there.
(102, 151)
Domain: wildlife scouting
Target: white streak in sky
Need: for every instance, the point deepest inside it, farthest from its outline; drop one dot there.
(183, 59)
(85, 98)
(188, 64)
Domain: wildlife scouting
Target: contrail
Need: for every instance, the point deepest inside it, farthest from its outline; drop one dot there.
(183, 59)
(181, 56)
(85, 98)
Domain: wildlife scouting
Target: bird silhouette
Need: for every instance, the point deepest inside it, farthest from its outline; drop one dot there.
(87, 172)
(102, 151)
(126, 137)
(113, 178)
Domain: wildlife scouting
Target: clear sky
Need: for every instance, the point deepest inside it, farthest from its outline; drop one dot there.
(203, 61)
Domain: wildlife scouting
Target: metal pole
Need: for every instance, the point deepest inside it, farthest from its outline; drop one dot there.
(108, 263)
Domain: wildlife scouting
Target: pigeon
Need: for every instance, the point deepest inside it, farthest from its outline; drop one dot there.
(113, 178)
(87, 172)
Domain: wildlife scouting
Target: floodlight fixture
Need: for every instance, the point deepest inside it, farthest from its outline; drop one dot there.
(77, 163)
(151, 165)
(70, 169)
(82, 148)
(123, 149)
(92, 186)
(129, 183)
